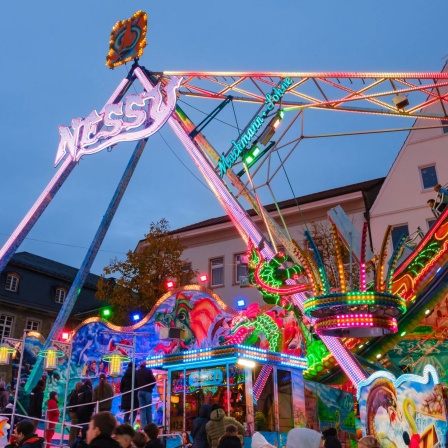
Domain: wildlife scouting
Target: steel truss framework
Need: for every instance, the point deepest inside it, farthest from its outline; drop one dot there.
(335, 90)
(362, 93)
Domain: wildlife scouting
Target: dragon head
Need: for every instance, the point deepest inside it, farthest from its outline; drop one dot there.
(179, 317)
(393, 411)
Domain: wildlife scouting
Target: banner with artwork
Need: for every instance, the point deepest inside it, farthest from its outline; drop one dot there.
(328, 407)
(204, 322)
(409, 411)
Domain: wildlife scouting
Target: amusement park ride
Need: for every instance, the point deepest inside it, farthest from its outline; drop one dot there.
(272, 106)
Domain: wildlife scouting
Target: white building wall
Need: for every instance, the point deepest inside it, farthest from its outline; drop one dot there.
(402, 199)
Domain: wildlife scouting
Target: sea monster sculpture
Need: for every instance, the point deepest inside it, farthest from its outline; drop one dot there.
(270, 277)
(382, 395)
(253, 325)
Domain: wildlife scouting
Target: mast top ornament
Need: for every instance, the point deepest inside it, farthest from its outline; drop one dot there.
(127, 40)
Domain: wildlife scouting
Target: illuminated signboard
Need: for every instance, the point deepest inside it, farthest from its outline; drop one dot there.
(137, 117)
(200, 378)
(127, 40)
(239, 146)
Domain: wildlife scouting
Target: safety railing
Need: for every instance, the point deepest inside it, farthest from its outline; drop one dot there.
(96, 404)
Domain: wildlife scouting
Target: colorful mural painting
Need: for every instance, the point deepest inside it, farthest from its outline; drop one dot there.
(34, 343)
(205, 321)
(409, 411)
(327, 407)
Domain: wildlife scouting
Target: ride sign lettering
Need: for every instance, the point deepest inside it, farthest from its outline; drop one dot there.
(137, 117)
(271, 99)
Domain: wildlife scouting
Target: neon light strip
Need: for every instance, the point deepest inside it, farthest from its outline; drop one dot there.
(433, 261)
(440, 221)
(334, 104)
(393, 262)
(229, 352)
(427, 103)
(351, 299)
(337, 247)
(307, 265)
(27, 223)
(381, 260)
(282, 290)
(348, 364)
(425, 91)
(355, 321)
(358, 96)
(341, 75)
(362, 267)
(261, 381)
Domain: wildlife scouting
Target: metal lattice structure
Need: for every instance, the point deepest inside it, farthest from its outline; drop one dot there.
(402, 95)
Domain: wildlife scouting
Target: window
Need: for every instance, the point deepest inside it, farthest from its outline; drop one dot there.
(12, 282)
(217, 272)
(430, 222)
(445, 126)
(398, 232)
(240, 267)
(32, 325)
(61, 294)
(429, 176)
(185, 274)
(5, 326)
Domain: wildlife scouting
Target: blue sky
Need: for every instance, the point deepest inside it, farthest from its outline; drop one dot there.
(53, 70)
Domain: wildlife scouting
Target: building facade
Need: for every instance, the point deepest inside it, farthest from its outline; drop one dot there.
(215, 248)
(32, 291)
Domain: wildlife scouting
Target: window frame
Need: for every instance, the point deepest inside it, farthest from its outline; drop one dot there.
(56, 298)
(12, 275)
(11, 327)
(420, 168)
(444, 122)
(396, 226)
(211, 272)
(236, 278)
(36, 321)
(188, 267)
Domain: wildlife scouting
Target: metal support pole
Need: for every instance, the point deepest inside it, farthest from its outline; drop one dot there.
(134, 348)
(84, 270)
(67, 380)
(276, 403)
(228, 389)
(165, 403)
(16, 392)
(351, 260)
(27, 223)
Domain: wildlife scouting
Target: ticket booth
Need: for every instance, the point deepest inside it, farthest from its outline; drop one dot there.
(263, 390)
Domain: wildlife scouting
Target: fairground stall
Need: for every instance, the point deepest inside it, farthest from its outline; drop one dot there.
(252, 362)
